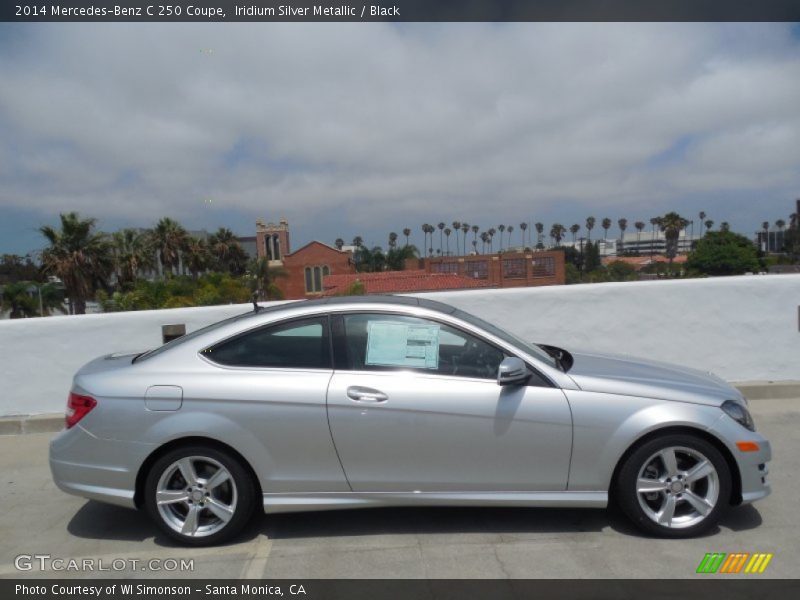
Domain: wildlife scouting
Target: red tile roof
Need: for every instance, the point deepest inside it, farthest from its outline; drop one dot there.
(642, 261)
(396, 282)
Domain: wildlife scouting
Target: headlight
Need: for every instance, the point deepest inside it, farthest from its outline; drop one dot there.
(738, 413)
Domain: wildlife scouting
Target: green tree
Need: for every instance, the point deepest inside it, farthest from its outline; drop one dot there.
(14, 268)
(133, 252)
(79, 256)
(169, 238)
(262, 279)
(591, 257)
(196, 256)
(723, 253)
(396, 257)
(226, 252)
(590, 221)
(672, 224)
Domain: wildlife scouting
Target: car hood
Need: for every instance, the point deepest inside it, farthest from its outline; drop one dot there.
(616, 374)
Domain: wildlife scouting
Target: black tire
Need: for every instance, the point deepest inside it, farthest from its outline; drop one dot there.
(628, 498)
(238, 491)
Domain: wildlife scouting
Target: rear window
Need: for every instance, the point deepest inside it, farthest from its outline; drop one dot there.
(297, 344)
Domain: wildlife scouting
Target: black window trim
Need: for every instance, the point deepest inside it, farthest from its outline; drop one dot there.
(339, 348)
(325, 317)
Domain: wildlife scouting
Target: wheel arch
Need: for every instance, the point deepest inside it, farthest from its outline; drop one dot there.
(736, 477)
(144, 469)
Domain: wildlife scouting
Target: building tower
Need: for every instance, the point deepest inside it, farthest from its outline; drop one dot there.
(272, 240)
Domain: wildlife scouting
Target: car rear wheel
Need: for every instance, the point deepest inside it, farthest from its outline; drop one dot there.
(199, 495)
(674, 486)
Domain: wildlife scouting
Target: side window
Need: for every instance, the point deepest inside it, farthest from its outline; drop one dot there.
(300, 344)
(379, 342)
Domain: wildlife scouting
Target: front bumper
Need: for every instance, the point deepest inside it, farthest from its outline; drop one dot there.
(753, 468)
(91, 467)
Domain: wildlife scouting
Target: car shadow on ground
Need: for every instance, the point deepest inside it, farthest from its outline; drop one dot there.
(95, 520)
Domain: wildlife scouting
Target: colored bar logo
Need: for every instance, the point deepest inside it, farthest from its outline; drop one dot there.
(736, 562)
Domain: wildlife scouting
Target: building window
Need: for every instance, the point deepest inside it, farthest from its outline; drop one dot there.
(477, 269)
(514, 268)
(444, 267)
(314, 277)
(544, 266)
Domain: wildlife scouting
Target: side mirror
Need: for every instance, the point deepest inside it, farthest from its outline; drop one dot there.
(512, 371)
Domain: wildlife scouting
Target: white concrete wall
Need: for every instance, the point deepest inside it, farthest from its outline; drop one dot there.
(742, 328)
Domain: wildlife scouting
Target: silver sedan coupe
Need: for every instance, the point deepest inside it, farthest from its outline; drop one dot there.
(397, 401)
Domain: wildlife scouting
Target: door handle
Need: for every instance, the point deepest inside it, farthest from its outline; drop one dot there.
(365, 394)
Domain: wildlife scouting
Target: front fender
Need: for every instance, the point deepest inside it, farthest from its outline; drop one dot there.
(606, 425)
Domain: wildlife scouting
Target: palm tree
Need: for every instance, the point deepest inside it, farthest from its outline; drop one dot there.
(654, 221)
(702, 215)
(339, 243)
(441, 225)
(392, 239)
(25, 299)
(780, 224)
(523, 227)
(485, 240)
(169, 238)
(765, 227)
(475, 230)
(709, 224)
(639, 228)
(539, 232)
(406, 232)
(574, 229)
(502, 228)
(672, 224)
(557, 231)
(456, 229)
(606, 225)
(447, 232)
(226, 252)
(465, 230)
(196, 256)
(133, 253)
(80, 257)
(510, 230)
(262, 278)
(590, 221)
(396, 257)
(358, 241)
(724, 226)
(623, 225)
(491, 233)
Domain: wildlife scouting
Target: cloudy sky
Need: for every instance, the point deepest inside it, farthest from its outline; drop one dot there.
(367, 128)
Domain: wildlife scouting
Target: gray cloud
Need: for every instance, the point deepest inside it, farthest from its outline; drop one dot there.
(389, 125)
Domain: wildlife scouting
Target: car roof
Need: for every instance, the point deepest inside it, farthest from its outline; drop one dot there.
(385, 299)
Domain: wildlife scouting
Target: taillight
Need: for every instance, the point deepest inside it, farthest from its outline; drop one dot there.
(78, 407)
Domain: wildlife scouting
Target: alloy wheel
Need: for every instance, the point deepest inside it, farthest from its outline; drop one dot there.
(196, 496)
(677, 487)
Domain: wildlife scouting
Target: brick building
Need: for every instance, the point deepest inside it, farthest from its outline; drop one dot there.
(306, 268)
(509, 269)
(400, 282)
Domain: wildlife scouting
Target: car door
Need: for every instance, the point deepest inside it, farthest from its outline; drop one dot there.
(272, 382)
(414, 405)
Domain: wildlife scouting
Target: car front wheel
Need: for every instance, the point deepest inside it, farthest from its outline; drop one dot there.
(675, 486)
(199, 495)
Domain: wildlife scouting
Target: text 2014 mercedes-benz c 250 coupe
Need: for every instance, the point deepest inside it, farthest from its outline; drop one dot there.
(390, 401)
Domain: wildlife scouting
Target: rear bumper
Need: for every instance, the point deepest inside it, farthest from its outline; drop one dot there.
(91, 467)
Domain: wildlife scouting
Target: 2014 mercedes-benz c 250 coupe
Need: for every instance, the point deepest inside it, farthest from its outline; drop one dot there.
(397, 401)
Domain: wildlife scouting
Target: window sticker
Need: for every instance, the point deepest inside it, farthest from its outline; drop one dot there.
(391, 344)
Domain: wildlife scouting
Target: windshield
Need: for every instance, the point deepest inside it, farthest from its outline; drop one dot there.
(504, 335)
